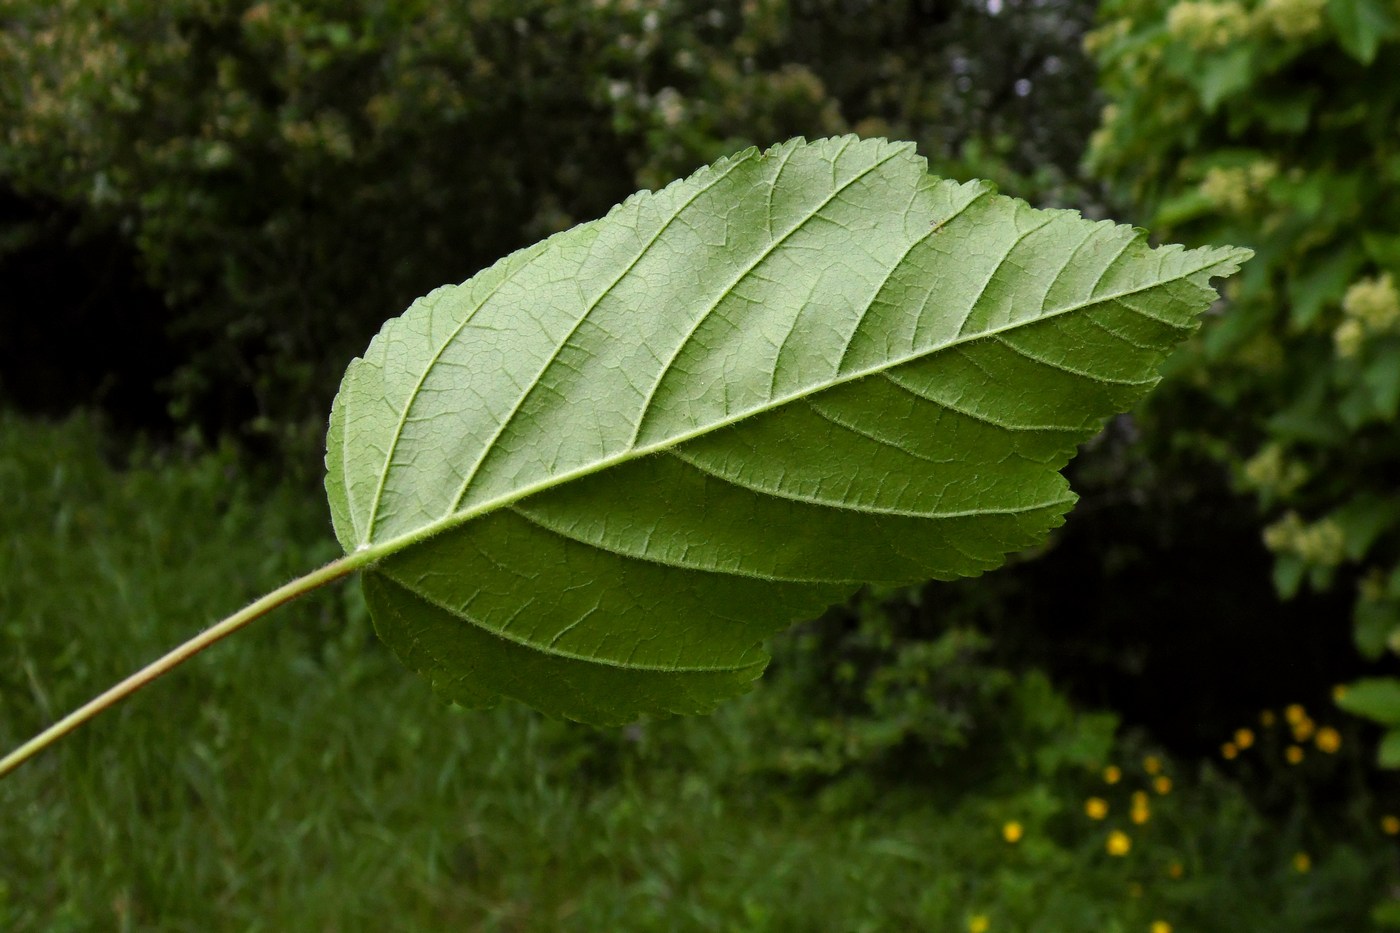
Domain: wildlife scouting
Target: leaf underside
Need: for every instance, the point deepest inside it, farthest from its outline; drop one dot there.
(599, 473)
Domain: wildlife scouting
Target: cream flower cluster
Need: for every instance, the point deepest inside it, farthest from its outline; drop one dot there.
(1291, 19)
(1213, 24)
(1321, 543)
(1232, 188)
(1271, 472)
(1205, 24)
(1370, 306)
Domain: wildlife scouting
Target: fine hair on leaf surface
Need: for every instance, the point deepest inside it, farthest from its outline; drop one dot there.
(594, 477)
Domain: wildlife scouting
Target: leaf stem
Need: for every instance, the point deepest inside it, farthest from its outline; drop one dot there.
(335, 570)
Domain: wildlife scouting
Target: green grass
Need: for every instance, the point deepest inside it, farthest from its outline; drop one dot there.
(298, 778)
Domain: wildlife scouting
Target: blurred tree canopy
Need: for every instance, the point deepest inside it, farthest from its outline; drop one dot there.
(282, 177)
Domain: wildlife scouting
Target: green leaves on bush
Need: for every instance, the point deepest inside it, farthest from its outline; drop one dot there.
(595, 476)
(1292, 152)
(1377, 699)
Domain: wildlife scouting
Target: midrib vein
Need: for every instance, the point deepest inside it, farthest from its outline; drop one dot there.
(447, 522)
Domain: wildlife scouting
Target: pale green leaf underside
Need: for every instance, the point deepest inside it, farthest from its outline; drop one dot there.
(599, 473)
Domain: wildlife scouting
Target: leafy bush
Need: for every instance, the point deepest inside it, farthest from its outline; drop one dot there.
(1273, 124)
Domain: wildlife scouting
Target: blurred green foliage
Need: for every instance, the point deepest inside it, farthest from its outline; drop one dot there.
(1274, 125)
(283, 176)
(297, 777)
(291, 174)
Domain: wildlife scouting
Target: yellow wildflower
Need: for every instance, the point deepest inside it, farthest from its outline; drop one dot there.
(1176, 869)
(1304, 730)
(1338, 692)
(1228, 751)
(1302, 863)
(1390, 824)
(1118, 843)
(1112, 774)
(1012, 832)
(1328, 740)
(1295, 713)
(1162, 784)
(978, 923)
(1294, 754)
(1141, 811)
(1244, 738)
(1152, 764)
(1161, 926)
(1096, 808)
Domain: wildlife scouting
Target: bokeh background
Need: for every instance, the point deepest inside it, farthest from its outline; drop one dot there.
(1177, 715)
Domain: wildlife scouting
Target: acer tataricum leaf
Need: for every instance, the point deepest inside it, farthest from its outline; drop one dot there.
(599, 473)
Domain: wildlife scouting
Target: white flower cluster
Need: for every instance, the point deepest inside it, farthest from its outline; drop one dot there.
(1291, 19)
(1213, 24)
(1370, 306)
(1206, 24)
(1321, 543)
(1231, 189)
(1269, 471)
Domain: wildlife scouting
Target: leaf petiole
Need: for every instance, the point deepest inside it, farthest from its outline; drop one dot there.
(335, 570)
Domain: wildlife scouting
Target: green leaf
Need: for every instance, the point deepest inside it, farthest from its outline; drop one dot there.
(1362, 25)
(1382, 377)
(1388, 754)
(595, 476)
(1386, 914)
(1363, 519)
(1373, 621)
(1224, 74)
(1383, 249)
(1376, 698)
(1288, 575)
(1321, 281)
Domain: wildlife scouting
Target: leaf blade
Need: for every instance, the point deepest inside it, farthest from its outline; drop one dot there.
(684, 406)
